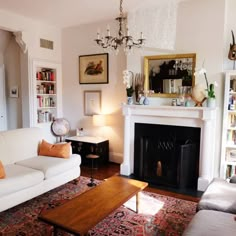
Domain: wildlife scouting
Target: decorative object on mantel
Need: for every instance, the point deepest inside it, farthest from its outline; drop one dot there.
(124, 39)
(198, 95)
(139, 86)
(210, 88)
(146, 93)
(128, 80)
(232, 50)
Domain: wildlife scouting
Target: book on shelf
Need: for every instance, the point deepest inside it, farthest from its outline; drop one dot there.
(230, 171)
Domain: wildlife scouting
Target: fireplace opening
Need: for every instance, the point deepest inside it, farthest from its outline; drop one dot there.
(167, 155)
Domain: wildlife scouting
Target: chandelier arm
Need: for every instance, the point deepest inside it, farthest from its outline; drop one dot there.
(121, 8)
(122, 39)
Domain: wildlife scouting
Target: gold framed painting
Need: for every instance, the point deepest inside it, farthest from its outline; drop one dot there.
(93, 69)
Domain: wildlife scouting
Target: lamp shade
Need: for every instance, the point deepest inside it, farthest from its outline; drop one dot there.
(99, 120)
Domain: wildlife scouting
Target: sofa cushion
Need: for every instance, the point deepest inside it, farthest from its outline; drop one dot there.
(19, 144)
(220, 196)
(2, 171)
(54, 150)
(211, 223)
(51, 166)
(18, 178)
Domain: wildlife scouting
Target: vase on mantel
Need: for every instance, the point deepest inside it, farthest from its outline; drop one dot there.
(145, 101)
(211, 102)
(130, 100)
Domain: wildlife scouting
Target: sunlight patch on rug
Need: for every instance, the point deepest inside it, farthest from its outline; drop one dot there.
(148, 205)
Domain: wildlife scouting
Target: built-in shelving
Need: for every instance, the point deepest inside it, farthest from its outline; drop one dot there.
(46, 94)
(46, 87)
(228, 156)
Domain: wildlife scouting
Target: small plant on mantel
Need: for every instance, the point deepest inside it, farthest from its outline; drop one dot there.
(128, 81)
(209, 88)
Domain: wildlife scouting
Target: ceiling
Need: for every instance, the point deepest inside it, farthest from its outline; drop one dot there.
(65, 13)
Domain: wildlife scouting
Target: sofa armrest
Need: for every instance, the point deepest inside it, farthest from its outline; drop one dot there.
(233, 179)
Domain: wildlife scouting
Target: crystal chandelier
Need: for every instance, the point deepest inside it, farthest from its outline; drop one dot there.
(124, 39)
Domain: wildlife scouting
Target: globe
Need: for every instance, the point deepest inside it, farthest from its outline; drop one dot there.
(60, 127)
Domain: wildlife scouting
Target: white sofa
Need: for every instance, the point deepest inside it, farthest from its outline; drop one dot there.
(27, 174)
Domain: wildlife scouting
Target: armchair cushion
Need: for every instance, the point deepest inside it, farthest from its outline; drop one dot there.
(219, 196)
(211, 223)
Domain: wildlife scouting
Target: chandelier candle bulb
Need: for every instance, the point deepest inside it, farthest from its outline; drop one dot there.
(127, 31)
(141, 35)
(108, 31)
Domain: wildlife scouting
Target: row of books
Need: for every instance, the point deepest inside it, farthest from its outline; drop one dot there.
(45, 88)
(230, 171)
(45, 101)
(232, 120)
(45, 116)
(47, 75)
(231, 137)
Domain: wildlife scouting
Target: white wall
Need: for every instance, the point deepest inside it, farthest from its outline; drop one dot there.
(5, 37)
(200, 30)
(230, 24)
(79, 41)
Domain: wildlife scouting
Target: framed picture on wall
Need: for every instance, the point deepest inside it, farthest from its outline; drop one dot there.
(14, 92)
(93, 69)
(92, 102)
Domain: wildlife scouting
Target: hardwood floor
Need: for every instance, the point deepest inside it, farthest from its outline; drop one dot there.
(111, 169)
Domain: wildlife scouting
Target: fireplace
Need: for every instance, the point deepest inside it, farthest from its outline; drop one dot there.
(167, 155)
(196, 117)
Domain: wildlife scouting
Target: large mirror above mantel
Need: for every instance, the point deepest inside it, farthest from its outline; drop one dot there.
(169, 75)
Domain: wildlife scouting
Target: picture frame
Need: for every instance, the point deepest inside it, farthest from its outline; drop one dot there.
(93, 69)
(92, 102)
(14, 93)
(166, 74)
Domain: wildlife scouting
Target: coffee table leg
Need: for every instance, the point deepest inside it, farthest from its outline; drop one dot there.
(137, 202)
(54, 231)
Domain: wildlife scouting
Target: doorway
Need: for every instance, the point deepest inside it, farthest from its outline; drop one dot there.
(10, 73)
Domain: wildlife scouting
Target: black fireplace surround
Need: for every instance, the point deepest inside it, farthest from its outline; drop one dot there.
(167, 155)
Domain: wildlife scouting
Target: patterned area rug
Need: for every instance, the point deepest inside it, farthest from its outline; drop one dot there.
(159, 215)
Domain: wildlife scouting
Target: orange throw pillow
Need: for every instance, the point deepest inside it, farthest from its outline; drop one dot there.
(2, 171)
(61, 150)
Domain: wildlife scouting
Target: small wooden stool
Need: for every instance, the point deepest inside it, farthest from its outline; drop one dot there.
(92, 157)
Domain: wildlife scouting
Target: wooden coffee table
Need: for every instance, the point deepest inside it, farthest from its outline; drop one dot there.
(80, 214)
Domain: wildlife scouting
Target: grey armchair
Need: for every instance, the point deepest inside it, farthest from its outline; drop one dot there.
(219, 196)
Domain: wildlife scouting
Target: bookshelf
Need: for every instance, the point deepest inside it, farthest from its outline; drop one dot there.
(47, 92)
(228, 153)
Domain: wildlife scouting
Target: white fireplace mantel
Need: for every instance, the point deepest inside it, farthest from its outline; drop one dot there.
(202, 117)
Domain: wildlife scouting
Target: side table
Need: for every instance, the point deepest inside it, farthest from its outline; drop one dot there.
(85, 145)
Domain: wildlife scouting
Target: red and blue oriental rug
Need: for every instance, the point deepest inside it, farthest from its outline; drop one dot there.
(159, 215)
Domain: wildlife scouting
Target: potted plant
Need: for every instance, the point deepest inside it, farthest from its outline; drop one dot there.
(128, 81)
(211, 98)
